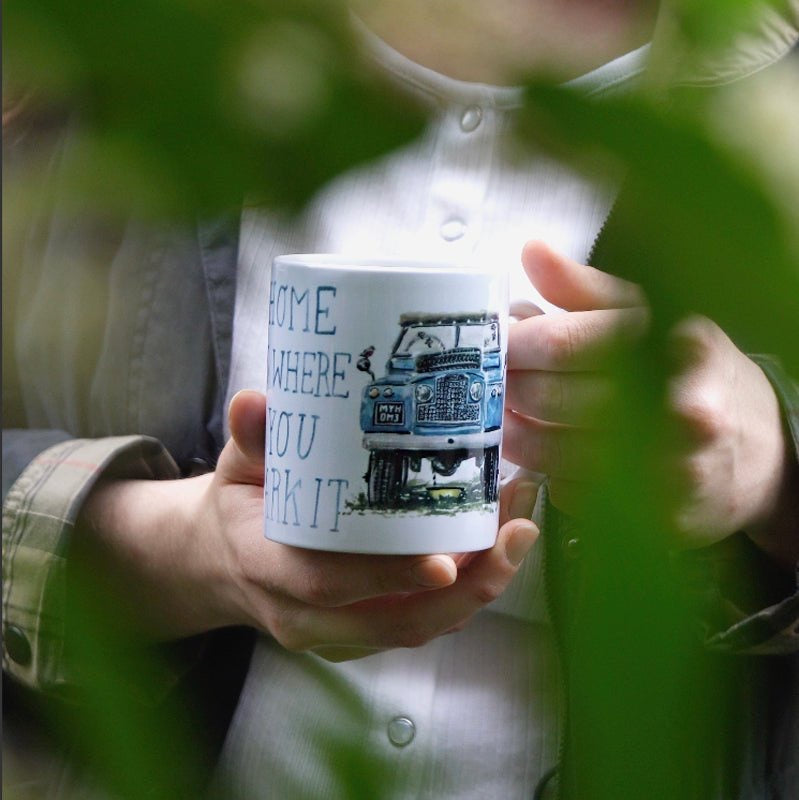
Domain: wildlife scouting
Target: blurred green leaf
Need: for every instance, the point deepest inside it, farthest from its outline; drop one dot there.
(698, 224)
(190, 105)
(694, 224)
(132, 742)
(709, 24)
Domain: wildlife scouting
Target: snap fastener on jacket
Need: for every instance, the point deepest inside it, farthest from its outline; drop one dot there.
(572, 547)
(17, 645)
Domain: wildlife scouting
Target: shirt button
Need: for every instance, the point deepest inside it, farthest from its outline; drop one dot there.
(471, 118)
(452, 229)
(401, 731)
(17, 645)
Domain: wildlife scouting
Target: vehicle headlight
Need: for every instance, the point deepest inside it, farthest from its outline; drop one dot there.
(389, 392)
(476, 391)
(424, 393)
(374, 391)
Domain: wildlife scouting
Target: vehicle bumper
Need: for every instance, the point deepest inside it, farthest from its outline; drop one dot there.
(406, 441)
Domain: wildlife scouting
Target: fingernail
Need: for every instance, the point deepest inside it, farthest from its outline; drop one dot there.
(523, 500)
(520, 542)
(232, 400)
(434, 572)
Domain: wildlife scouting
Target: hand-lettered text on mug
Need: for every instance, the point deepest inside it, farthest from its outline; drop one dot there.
(318, 372)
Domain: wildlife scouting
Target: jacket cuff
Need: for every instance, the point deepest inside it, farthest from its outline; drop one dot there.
(39, 513)
(772, 631)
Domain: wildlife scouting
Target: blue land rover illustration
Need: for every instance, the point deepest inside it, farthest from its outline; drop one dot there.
(440, 402)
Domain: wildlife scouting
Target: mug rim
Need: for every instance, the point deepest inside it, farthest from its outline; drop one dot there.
(379, 264)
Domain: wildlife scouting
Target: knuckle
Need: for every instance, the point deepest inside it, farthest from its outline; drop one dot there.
(695, 338)
(488, 591)
(284, 629)
(694, 472)
(560, 342)
(319, 588)
(703, 415)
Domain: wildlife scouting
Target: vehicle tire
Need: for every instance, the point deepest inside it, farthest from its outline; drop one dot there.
(388, 474)
(491, 474)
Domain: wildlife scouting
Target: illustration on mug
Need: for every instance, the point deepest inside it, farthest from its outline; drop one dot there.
(432, 422)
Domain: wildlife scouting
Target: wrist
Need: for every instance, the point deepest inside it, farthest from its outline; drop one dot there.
(142, 543)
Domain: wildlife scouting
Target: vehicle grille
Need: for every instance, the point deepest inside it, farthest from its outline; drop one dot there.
(450, 402)
(457, 358)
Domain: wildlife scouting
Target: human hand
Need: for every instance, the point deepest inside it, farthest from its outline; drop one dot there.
(339, 605)
(195, 552)
(730, 461)
(728, 455)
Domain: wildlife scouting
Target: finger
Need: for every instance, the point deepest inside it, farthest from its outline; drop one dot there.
(580, 340)
(247, 422)
(698, 391)
(242, 459)
(574, 286)
(573, 398)
(695, 409)
(556, 450)
(517, 499)
(522, 309)
(413, 620)
(322, 579)
(693, 341)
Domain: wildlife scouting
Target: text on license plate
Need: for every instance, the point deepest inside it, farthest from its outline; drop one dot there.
(389, 414)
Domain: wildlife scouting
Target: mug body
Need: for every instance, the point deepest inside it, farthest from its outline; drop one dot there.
(385, 394)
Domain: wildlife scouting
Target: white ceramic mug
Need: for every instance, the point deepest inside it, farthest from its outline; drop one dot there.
(385, 390)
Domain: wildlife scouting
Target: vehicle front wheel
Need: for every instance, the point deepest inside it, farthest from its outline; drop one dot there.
(387, 477)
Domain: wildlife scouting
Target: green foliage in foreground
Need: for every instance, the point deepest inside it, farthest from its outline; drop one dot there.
(191, 104)
(176, 113)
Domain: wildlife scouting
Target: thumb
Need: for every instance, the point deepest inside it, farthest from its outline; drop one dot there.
(574, 286)
(242, 460)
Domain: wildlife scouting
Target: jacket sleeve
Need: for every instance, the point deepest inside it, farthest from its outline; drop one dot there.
(39, 513)
(107, 330)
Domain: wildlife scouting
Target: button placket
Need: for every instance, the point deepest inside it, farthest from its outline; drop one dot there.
(460, 170)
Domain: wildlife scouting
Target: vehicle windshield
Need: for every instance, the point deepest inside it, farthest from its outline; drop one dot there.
(419, 339)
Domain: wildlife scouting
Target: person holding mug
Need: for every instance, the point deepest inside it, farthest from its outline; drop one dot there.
(154, 466)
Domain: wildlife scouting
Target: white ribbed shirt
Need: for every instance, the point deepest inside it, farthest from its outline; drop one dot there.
(473, 714)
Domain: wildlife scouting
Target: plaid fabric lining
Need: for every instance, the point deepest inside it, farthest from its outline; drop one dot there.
(38, 516)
